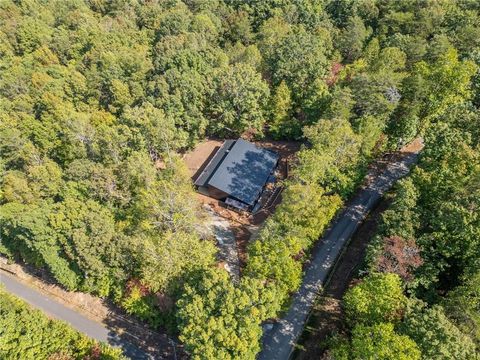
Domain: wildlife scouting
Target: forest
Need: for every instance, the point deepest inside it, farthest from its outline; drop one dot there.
(99, 99)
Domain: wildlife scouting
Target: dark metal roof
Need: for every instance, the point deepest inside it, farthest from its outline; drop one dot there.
(203, 178)
(240, 170)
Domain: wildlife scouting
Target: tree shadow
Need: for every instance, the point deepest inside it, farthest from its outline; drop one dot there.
(140, 342)
(135, 339)
(249, 176)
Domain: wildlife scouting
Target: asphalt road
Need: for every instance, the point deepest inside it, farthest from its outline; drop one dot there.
(89, 327)
(279, 342)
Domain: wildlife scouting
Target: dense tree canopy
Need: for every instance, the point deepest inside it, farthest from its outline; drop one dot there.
(222, 321)
(99, 99)
(381, 342)
(378, 298)
(435, 334)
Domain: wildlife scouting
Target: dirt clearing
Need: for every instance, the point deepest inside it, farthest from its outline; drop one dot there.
(245, 224)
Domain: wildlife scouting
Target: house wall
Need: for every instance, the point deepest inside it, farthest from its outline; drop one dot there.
(216, 194)
(203, 190)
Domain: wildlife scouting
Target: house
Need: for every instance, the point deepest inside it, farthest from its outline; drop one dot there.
(237, 173)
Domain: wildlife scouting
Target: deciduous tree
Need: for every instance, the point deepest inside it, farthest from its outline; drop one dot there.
(378, 298)
(239, 101)
(435, 335)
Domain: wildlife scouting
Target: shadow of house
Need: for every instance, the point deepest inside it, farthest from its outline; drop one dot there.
(237, 173)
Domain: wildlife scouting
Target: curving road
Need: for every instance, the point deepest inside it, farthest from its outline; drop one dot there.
(279, 342)
(89, 327)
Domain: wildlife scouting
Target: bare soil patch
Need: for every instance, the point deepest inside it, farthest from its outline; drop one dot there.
(242, 224)
(199, 157)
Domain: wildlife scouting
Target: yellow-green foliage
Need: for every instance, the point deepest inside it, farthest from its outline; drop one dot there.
(380, 342)
(299, 221)
(221, 320)
(28, 334)
(378, 298)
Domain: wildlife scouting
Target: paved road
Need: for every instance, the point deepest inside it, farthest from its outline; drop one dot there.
(279, 342)
(89, 327)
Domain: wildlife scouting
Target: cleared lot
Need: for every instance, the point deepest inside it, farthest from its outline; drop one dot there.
(241, 226)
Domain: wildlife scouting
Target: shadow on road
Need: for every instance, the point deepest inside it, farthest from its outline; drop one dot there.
(140, 342)
(279, 342)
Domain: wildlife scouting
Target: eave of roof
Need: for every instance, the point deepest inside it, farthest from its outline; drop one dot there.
(213, 164)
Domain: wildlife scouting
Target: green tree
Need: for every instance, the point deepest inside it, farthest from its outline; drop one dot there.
(376, 83)
(26, 232)
(167, 203)
(139, 302)
(238, 102)
(282, 122)
(301, 218)
(381, 342)
(15, 188)
(183, 99)
(239, 53)
(300, 59)
(378, 298)
(449, 228)
(435, 335)
(218, 320)
(333, 157)
(305, 211)
(430, 89)
(137, 173)
(402, 219)
(352, 38)
(272, 259)
(90, 179)
(32, 33)
(370, 128)
(165, 258)
(28, 334)
(448, 81)
(462, 305)
(86, 232)
(158, 133)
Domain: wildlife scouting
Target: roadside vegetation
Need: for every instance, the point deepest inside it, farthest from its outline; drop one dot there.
(98, 99)
(28, 334)
(420, 296)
